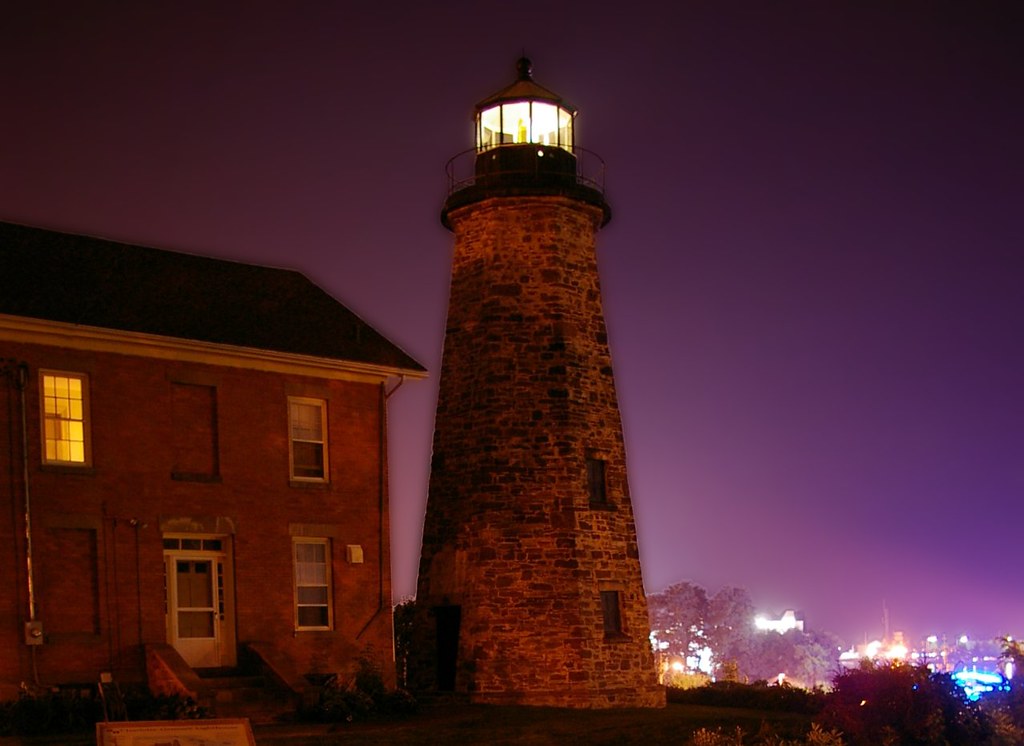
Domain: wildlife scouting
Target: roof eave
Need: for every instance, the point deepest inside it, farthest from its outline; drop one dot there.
(78, 336)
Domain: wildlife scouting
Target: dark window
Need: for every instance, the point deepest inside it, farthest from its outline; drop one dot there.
(610, 612)
(596, 480)
(308, 444)
(193, 437)
(312, 584)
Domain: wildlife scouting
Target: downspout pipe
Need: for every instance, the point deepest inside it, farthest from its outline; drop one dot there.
(18, 374)
(382, 481)
(21, 382)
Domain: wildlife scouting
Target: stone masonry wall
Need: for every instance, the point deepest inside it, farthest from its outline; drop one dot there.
(511, 537)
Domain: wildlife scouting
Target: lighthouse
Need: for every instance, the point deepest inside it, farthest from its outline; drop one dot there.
(530, 588)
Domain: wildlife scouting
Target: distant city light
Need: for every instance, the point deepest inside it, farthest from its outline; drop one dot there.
(896, 652)
(977, 684)
(782, 625)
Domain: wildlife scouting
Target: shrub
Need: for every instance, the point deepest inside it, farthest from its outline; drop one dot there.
(705, 737)
(757, 696)
(141, 704)
(879, 705)
(48, 712)
(817, 736)
(362, 697)
(54, 711)
(685, 680)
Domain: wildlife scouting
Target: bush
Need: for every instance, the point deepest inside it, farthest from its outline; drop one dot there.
(757, 696)
(54, 711)
(902, 705)
(362, 697)
(685, 680)
(817, 736)
(141, 704)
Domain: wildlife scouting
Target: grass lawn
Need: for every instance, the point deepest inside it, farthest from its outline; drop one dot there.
(469, 724)
(465, 725)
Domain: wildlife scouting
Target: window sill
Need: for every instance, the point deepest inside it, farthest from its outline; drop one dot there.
(179, 476)
(602, 506)
(309, 484)
(85, 470)
(616, 637)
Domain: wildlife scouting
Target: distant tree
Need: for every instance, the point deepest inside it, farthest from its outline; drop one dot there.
(1013, 651)
(768, 655)
(1007, 708)
(816, 658)
(677, 617)
(729, 626)
(685, 621)
(807, 659)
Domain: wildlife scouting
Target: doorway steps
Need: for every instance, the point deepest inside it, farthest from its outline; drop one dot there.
(264, 687)
(239, 693)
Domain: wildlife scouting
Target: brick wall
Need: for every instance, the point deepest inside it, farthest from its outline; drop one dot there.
(99, 556)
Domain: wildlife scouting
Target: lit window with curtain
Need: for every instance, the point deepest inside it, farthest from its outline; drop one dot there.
(65, 415)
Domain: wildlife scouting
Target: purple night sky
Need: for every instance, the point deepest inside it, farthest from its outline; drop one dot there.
(812, 278)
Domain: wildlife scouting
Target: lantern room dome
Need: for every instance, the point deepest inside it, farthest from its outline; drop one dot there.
(524, 88)
(524, 113)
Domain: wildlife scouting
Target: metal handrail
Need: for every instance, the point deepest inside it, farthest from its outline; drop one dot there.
(461, 169)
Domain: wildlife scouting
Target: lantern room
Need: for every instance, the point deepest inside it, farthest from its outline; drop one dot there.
(524, 113)
(525, 143)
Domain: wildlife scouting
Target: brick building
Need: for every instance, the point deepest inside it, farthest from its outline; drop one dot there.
(196, 450)
(530, 588)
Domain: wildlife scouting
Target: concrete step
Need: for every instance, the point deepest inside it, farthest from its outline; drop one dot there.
(238, 695)
(238, 683)
(258, 713)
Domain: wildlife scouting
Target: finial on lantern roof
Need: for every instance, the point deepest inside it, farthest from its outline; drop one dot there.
(524, 68)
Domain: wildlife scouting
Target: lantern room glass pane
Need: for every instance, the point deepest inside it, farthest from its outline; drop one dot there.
(523, 122)
(565, 135)
(544, 124)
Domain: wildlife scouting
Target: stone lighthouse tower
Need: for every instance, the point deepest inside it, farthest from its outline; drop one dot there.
(530, 590)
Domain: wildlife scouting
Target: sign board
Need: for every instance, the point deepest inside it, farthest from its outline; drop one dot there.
(233, 732)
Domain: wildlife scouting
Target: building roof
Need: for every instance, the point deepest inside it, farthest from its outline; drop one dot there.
(94, 282)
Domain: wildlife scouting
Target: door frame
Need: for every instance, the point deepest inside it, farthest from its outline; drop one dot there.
(217, 549)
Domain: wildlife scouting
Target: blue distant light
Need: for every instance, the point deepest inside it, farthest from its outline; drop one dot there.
(977, 684)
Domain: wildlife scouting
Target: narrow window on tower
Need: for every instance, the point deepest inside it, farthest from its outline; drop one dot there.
(611, 613)
(65, 410)
(596, 482)
(307, 444)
